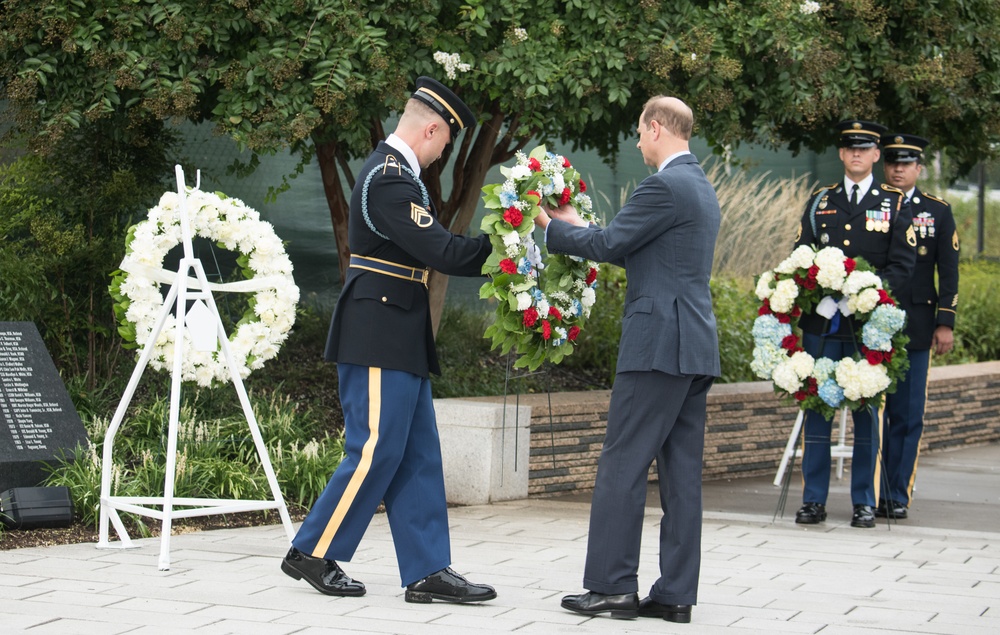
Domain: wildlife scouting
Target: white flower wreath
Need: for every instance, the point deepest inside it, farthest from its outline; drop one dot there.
(262, 261)
(833, 285)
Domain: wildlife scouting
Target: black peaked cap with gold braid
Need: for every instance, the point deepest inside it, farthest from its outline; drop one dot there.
(453, 110)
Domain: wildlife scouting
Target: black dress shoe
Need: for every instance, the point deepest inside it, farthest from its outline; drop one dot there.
(448, 586)
(680, 613)
(863, 516)
(892, 509)
(624, 606)
(324, 575)
(810, 514)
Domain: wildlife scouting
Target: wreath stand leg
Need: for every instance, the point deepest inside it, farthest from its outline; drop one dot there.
(177, 298)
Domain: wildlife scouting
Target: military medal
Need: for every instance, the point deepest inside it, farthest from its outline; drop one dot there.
(822, 203)
(870, 225)
(922, 250)
(824, 238)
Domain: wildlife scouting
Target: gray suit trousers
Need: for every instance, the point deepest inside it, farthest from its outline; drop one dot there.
(652, 415)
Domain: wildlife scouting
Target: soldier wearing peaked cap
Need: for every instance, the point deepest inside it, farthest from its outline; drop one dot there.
(861, 217)
(382, 341)
(930, 318)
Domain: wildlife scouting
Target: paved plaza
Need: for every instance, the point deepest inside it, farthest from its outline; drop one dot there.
(938, 572)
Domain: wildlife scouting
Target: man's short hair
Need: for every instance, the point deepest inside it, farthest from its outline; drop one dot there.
(671, 113)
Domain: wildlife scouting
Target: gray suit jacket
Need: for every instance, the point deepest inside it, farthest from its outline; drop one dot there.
(665, 238)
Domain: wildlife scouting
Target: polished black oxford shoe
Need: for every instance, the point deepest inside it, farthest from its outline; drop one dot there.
(810, 514)
(680, 613)
(622, 607)
(324, 575)
(863, 516)
(448, 586)
(890, 509)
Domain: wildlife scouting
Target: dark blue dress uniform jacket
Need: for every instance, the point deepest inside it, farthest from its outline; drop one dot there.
(937, 244)
(879, 230)
(381, 321)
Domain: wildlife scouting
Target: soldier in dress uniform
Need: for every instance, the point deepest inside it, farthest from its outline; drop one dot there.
(863, 218)
(382, 341)
(930, 319)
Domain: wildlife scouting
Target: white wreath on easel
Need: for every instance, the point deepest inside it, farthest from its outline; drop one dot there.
(229, 223)
(197, 329)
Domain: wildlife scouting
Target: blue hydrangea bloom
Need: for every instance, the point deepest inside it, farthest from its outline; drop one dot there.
(831, 394)
(508, 198)
(876, 338)
(823, 369)
(767, 328)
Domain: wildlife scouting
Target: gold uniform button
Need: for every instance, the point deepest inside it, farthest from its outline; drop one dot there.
(847, 227)
(385, 299)
(847, 243)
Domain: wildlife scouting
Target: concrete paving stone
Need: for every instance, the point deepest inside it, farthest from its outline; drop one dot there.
(166, 607)
(18, 578)
(17, 622)
(63, 626)
(108, 614)
(243, 627)
(241, 612)
(81, 598)
(80, 586)
(352, 624)
(777, 626)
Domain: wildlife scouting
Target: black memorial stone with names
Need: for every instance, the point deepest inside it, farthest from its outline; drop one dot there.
(38, 422)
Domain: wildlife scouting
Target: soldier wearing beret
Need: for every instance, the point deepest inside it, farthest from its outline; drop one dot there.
(863, 218)
(382, 341)
(930, 317)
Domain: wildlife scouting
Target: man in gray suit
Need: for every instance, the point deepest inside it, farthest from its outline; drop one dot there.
(667, 360)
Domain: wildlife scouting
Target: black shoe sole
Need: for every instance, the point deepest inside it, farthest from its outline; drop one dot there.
(810, 520)
(423, 597)
(295, 574)
(863, 524)
(678, 617)
(618, 614)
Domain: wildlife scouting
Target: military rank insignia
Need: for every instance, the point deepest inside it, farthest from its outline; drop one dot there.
(420, 216)
(954, 241)
(911, 237)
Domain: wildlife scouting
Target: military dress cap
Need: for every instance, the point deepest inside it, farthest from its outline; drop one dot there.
(446, 103)
(903, 148)
(859, 134)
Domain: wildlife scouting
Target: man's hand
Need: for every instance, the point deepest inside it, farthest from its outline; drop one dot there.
(568, 214)
(943, 340)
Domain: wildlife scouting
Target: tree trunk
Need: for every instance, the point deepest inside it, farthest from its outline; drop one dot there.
(326, 154)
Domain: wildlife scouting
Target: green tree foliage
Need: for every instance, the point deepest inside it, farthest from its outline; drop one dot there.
(62, 222)
(320, 77)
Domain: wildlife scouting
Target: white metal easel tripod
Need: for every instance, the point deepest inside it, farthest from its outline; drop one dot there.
(840, 451)
(177, 299)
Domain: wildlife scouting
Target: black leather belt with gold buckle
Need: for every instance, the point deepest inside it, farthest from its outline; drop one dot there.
(387, 268)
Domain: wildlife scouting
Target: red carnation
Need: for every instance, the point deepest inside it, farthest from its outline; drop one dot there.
(784, 318)
(534, 193)
(849, 265)
(800, 395)
(887, 357)
(591, 276)
(583, 186)
(513, 216)
(530, 316)
(566, 195)
(790, 342)
(809, 283)
(534, 165)
(573, 332)
(507, 266)
(883, 297)
(765, 307)
(554, 312)
(813, 271)
(874, 357)
(546, 330)
(796, 311)
(566, 163)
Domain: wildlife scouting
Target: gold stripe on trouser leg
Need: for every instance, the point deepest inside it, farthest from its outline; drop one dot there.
(913, 474)
(877, 425)
(364, 465)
